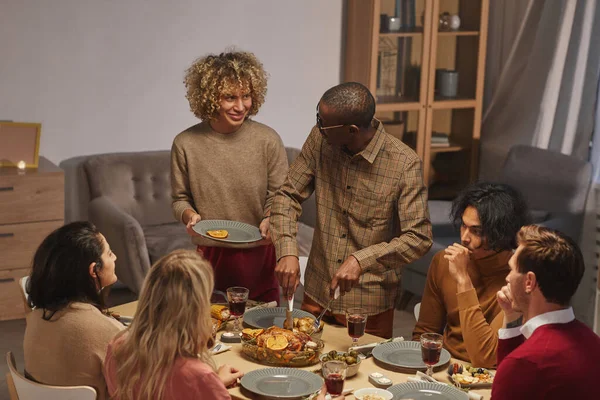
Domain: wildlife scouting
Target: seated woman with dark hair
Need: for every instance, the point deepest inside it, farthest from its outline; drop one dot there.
(67, 333)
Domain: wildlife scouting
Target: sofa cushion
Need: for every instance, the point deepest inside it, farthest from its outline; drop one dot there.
(138, 182)
(164, 238)
(538, 216)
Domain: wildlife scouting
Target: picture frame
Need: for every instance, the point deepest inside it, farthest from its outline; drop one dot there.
(19, 141)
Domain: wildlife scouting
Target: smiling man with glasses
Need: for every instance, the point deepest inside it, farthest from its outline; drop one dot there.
(372, 216)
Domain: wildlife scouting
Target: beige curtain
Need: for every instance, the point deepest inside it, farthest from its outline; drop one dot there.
(545, 92)
(505, 22)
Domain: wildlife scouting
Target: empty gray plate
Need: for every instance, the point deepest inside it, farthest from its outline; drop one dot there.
(267, 317)
(283, 383)
(239, 232)
(426, 391)
(405, 355)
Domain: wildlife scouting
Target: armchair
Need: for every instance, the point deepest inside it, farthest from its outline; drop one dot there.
(131, 205)
(554, 185)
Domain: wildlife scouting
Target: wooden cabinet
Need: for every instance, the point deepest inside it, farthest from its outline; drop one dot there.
(31, 206)
(403, 69)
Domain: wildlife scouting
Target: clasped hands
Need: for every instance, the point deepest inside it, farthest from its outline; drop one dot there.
(458, 257)
(288, 275)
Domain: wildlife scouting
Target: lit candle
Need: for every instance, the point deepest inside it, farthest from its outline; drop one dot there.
(21, 165)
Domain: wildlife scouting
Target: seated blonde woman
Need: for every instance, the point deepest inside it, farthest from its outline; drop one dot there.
(67, 334)
(164, 354)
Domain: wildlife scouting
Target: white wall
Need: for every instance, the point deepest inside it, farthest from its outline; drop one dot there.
(106, 75)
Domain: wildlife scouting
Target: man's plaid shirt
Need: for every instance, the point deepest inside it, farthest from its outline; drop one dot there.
(372, 205)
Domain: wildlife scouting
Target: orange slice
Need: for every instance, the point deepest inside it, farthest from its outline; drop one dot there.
(277, 342)
(252, 332)
(218, 233)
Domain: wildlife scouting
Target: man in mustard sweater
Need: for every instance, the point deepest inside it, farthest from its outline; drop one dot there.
(459, 300)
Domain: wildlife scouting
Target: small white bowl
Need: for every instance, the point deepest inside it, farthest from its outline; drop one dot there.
(360, 393)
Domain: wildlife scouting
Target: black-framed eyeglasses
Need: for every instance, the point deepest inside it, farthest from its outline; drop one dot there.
(320, 123)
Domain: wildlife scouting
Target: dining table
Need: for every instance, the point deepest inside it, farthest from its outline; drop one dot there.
(334, 337)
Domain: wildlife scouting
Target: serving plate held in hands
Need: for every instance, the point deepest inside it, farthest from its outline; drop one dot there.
(237, 232)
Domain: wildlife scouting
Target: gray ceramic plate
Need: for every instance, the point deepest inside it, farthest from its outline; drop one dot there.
(239, 232)
(405, 355)
(267, 317)
(426, 391)
(283, 383)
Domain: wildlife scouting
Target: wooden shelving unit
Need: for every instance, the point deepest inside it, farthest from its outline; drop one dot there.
(400, 70)
(459, 33)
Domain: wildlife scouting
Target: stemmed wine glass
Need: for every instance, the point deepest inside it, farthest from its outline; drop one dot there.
(431, 348)
(237, 297)
(356, 320)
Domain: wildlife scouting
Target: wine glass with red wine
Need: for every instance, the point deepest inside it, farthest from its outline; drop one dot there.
(237, 297)
(356, 320)
(334, 373)
(431, 348)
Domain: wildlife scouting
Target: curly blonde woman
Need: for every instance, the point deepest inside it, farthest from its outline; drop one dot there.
(229, 167)
(164, 354)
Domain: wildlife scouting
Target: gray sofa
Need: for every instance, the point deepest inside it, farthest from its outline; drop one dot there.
(128, 197)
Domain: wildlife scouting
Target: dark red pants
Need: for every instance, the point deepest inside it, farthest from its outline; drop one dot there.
(252, 268)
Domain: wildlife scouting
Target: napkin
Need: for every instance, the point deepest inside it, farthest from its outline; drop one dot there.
(303, 261)
(220, 348)
(424, 377)
(366, 349)
(264, 305)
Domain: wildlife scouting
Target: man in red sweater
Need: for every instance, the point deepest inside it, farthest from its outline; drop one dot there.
(551, 355)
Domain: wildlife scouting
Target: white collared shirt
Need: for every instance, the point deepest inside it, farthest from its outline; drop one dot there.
(553, 317)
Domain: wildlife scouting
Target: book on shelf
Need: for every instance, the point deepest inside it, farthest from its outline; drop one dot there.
(387, 67)
(439, 139)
